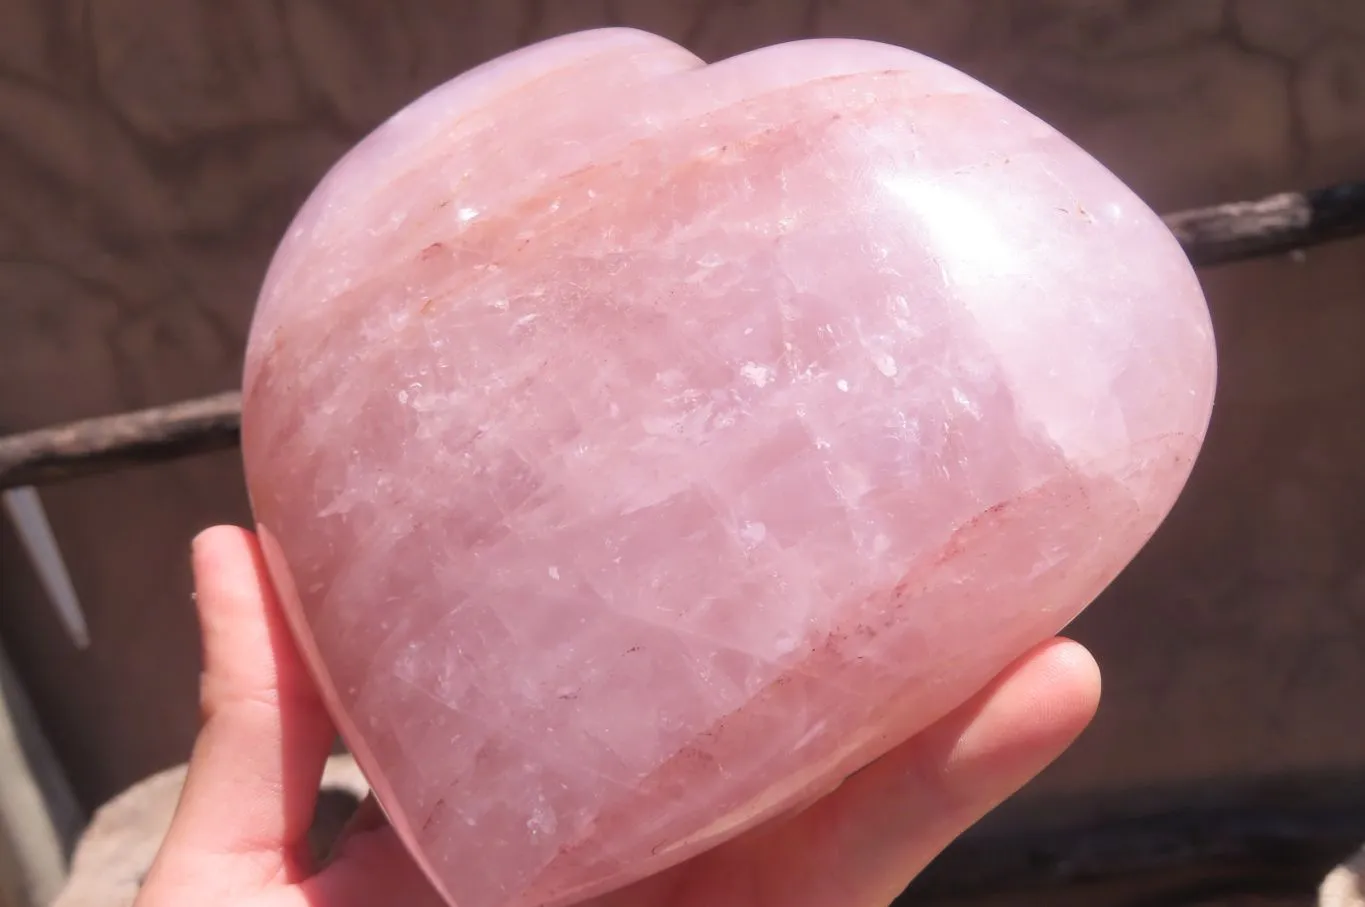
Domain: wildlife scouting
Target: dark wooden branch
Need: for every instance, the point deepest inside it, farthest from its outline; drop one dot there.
(117, 442)
(1210, 236)
(1270, 226)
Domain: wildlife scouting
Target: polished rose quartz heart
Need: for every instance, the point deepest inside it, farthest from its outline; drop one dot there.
(641, 446)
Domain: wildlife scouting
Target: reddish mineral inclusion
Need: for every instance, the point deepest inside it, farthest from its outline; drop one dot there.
(641, 446)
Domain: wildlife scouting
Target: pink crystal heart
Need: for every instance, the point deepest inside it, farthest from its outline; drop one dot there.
(642, 446)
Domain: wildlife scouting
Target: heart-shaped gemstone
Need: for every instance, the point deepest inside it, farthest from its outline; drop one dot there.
(641, 446)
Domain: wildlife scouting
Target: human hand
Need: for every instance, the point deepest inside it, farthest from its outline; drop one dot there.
(239, 834)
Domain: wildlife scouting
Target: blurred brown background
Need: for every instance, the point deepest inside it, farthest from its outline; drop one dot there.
(151, 154)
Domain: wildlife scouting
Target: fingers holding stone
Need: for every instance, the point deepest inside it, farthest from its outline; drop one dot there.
(862, 844)
(888, 822)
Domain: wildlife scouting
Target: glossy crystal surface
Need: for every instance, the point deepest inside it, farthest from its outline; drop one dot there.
(640, 446)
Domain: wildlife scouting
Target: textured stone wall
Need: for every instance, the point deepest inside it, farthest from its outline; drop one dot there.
(151, 154)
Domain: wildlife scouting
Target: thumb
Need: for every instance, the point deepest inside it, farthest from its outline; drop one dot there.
(243, 818)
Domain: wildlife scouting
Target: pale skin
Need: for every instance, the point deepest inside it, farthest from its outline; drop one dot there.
(238, 838)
